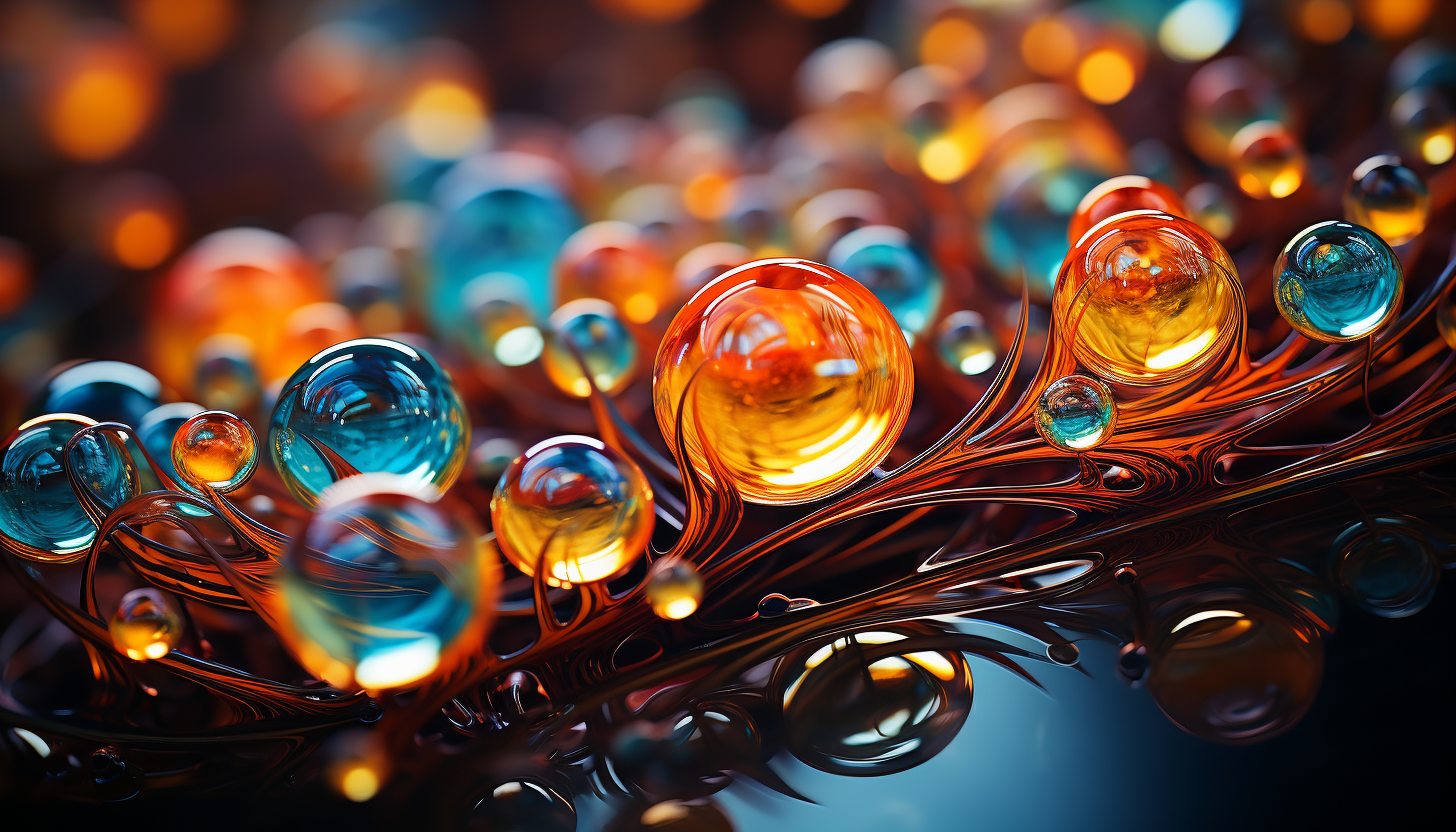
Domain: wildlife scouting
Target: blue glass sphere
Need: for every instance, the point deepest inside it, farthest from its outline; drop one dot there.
(1389, 571)
(156, 429)
(499, 212)
(886, 262)
(1076, 413)
(610, 352)
(107, 391)
(1025, 234)
(38, 507)
(376, 405)
(1336, 281)
(386, 585)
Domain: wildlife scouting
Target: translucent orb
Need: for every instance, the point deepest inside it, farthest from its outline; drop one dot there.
(525, 805)
(966, 344)
(1224, 96)
(1446, 318)
(1426, 124)
(700, 266)
(146, 625)
(612, 261)
(1236, 673)
(505, 329)
(1387, 198)
(378, 406)
(1210, 206)
(356, 764)
(856, 707)
(803, 380)
(1390, 571)
(1025, 236)
(226, 377)
(1076, 413)
(885, 261)
(587, 509)
(1119, 195)
(215, 449)
(674, 588)
(1337, 282)
(1266, 160)
(307, 331)
(386, 585)
(1147, 298)
(38, 508)
(157, 428)
(107, 391)
(592, 328)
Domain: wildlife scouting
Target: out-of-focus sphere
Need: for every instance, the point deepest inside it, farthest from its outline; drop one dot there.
(803, 380)
(1446, 318)
(38, 507)
(700, 266)
(524, 805)
(386, 585)
(1224, 96)
(146, 625)
(823, 220)
(1211, 207)
(885, 261)
(587, 509)
(377, 405)
(674, 589)
(307, 331)
(1266, 160)
(226, 376)
(1076, 413)
(1389, 571)
(689, 815)
(966, 344)
(99, 91)
(612, 261)
(847, 74)
(1337, 282)
(591, 327)
(1147, 298)
(157, 428)
(216, 449)
(1121, 194)
(15, 278)
(506, 331)
(1426, 124)
(1387, 198)
(107, 391)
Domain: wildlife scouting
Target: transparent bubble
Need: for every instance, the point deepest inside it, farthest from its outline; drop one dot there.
(215, 449)
(107, 391)
(1119, 195)
(674, 588)
(1387, 198)
(614, 262)
(966, 344)
(1076, 413)
(592, 329)
(1267, 160)
(1337, 282)
(885, 261)
(1389, 571)
(146, 625)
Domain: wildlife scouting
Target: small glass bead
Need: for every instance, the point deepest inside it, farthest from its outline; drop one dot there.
(1426, 124)
(1266, 160)
(674, 589)
(146, 625)
(591, 327)
(885, 261)
(1390, 571)
(1210, 207)
(586, 508)
(215, 449)
(1076, 413)
(379, 406)
(1337, 282)
(966, 344)
(1119, 195)
(1387, 198)
(107, 391)
(614, 262)
(505, 330)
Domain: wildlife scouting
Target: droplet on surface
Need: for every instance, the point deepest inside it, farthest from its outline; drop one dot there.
(1063, 653)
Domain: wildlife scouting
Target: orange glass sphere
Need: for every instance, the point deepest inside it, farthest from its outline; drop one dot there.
(101, 90)
(308, 331)
(242, 281)
(1267, 160)
(1119, 195)
(612, 261)
(216, 449)
(803, 380)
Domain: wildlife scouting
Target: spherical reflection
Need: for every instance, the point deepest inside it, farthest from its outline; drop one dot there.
(1389, 570)
(524, 805)
(1266, 160)
(966, 344)
(1426, 124)
(854, 707)
(146, 625)
(159, 426)
(1387, 198)
(801, 380)
(576, 502)
(215, 449)
(1234, 675)
(1147, 298)
(107, 391)
(612, 261)
(1119, 195)
(368, 405)
(1211, 207)
(386, 585)
(674, 589)
(1337, 282)
(1224, 96)
(885, 261)
(1076, 413)
(589, 328)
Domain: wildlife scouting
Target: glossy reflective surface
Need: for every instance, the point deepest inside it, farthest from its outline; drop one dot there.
(1267, 161)
(885, 260)
(146, 625)
(1337, 282)
(965, 344)
(1390, 570)
(106, 391)
(588, 330)
(1076, 413)
(1388, 198)
(1119, 195)
(37, 504)
(674, 588)
(215, 449)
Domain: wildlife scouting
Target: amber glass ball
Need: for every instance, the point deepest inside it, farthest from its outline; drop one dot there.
(1119, 195)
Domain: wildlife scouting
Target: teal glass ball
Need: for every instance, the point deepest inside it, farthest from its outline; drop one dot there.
(591, 328)
(374, 406)
(1076, 413)
(107, 391)
(889, 264)
(1337, 281)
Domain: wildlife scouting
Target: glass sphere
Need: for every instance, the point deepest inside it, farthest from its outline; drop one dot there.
(157, 428)
(107, 391)
(1119, 195)
(386, 585)
(226, 378)
(146, 625)
(674, 588)
(1147, 298)
(38, 508)
(698, 267)
(1446, 318)
(504, 327)
(1223, 97)
(966, 344)
(1387, 198)
(803, 380)
(378, 406)
(885, 261)
(215, 449)
(1076, 413)
(579, 503)
(1210, 206)
(525, 805)
(1266, 160)
(609, 350)
(307, 331)
(1337, 282)
(612, 261)
(1389, 571)
(1025, 235)
(1426, 124)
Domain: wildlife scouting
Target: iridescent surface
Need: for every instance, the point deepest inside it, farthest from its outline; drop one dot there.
(614, 262)
(1076, 413)
(156, 429)
(674, 588)
(215, 449)
(965, 343)
(38, 508)
(1337, 282)
(383, 587)
(885, 261)
(579, 503)
(378, 406)
(589, 328)
(1118, 195)
(803, 379)
(1390, 570)
(107, 391)
(146, 625)
(1387, 198)
(1266, 160)
(1148, 297)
